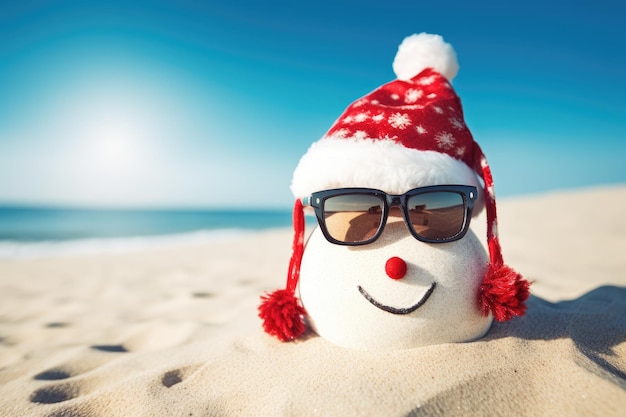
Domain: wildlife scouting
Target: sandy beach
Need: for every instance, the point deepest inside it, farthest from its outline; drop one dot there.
(174, 332)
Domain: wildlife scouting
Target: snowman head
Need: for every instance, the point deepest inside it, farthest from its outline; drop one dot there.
(394, 184)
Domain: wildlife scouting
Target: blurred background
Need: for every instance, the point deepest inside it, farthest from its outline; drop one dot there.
(208, 105)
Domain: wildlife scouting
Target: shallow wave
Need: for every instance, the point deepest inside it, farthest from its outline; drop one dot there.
(43, 249)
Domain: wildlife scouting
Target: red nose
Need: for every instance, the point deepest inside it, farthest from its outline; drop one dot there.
(395, 268)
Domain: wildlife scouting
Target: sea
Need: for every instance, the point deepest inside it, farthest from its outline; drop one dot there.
(31, 232)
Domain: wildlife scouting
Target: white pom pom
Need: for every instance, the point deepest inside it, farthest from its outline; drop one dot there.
(418, 52)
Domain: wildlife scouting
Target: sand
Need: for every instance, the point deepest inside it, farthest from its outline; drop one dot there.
(174, 332)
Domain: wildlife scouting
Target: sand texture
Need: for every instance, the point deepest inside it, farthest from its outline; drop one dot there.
(174, 332)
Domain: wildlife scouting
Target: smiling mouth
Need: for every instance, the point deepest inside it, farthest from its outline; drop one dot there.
(395, 310)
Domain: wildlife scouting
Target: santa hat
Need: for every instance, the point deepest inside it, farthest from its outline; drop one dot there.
(405, 134)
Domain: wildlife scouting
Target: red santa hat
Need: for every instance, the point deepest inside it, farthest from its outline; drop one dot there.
(405, 134)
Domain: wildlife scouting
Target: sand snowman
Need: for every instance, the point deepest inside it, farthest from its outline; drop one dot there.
(394, 184)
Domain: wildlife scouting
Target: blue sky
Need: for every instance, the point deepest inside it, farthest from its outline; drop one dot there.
(212, 103)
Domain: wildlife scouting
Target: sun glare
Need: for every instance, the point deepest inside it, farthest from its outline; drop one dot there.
(115, 132)
(115, 149)
(111, 145)
(110, 135)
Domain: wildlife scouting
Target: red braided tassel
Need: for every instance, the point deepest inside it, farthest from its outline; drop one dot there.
(503, 292)
(282, 315)
(281, 312)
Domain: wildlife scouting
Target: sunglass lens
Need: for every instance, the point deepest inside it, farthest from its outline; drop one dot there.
(353, 218)
(438, 215)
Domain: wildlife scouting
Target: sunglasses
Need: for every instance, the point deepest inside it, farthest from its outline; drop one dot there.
(357, 216)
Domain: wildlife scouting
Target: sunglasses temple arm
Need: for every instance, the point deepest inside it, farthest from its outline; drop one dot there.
(306, 201)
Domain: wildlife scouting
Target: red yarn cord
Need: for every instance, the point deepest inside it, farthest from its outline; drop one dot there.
(495, 251)
(297, 248)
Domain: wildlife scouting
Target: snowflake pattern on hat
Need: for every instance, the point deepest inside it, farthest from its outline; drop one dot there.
(426, 105)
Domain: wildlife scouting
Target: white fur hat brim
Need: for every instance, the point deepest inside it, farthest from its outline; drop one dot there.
(380, 164)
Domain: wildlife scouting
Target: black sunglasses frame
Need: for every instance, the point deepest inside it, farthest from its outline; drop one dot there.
(317, 200)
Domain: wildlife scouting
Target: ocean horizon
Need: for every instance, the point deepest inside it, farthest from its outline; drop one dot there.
(27, 231)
